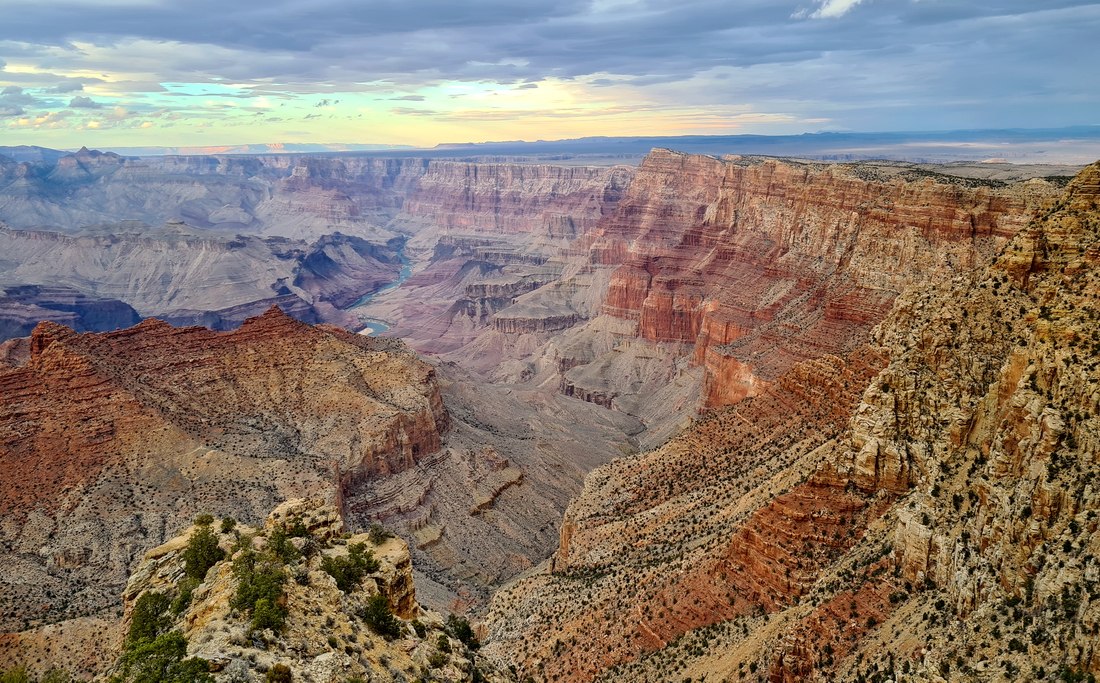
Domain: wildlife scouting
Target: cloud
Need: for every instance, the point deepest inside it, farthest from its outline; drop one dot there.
(885, 65)
(10, 110)
(15, 99)
(829, 9)
(65, 88)
(82, 102)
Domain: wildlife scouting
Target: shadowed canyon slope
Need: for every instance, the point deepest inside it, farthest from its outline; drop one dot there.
(942, 524)
(192, 276)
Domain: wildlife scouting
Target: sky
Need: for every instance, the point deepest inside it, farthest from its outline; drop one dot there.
(203, 73)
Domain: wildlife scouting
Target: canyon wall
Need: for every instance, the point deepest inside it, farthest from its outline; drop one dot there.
(761, 264)
(918, 508)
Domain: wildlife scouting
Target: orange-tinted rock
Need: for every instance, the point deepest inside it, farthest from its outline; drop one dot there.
(762, 264)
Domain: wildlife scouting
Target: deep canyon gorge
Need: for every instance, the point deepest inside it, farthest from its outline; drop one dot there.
(738, 418)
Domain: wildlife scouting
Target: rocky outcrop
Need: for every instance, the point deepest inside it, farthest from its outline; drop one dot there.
(133, 431)
(329, 632)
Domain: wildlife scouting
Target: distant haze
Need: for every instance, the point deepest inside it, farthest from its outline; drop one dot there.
(209, 75)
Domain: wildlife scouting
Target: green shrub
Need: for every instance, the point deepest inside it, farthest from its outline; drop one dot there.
(278, 542)
(260, 580)
(186, 586)
(149, 619)
(280, 673)
(15, 675)
(443, 644)
(349, 571)
(297, 528)
(459, 627)
(379, 618)
(267, 615)
(202, 552)
(56, 676)
(378, 534)
(162, 661)
(228, 524)
(204, 520)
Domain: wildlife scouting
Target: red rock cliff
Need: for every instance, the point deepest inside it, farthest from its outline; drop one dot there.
(762, 264)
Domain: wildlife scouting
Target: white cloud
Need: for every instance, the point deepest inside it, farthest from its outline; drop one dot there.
(830, 9)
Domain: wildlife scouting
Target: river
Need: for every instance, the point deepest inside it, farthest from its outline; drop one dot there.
(374, 326)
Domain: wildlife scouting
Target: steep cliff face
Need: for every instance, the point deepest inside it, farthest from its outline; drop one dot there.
(109, 441)
(763, 263)
(946, 529)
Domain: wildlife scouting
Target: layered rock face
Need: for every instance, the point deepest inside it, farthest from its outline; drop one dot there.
(108, 441)
(557, 202)
(761, 264)
(946, 529)
(484, 237)
(742, 267)
(188, 275)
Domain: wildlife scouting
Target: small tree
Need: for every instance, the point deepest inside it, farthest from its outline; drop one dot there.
(379, 618)
(202, 553)
(378, 534)
(267, 614)
(260, 581)
(460, 628)
(349, 571)
(149, 618)
(278, 541)
(162, 661)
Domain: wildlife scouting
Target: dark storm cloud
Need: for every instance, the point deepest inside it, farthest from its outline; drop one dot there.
(804, 55)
